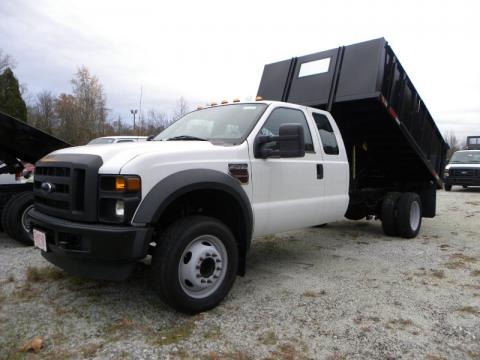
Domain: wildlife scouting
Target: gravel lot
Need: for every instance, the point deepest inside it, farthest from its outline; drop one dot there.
(341, 291)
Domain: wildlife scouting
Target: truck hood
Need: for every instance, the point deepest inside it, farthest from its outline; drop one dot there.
(116, 156)
(465, 166)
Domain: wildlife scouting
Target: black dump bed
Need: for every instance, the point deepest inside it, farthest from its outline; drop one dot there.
(473, 142)
(390, 136)
(20, 141)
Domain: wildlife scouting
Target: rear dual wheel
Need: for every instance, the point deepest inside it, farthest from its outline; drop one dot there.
(401, 214)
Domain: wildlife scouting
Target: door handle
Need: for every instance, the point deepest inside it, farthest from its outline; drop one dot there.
(319, 171)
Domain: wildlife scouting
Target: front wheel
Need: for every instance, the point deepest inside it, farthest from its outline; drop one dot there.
(447, 187)
(194, 264)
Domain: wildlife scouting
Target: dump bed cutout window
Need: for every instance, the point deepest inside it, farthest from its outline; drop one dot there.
(327, 134)
(314, 67)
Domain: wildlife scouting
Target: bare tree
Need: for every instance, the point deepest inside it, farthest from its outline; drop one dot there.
(91, 102)
(67, 112)
(156, 121)
(6, 61)
(45, 118)
(181, 108)
(452, 141)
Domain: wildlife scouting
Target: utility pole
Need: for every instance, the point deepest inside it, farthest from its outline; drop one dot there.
(134, 112)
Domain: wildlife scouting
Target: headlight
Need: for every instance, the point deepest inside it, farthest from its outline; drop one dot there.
(445, 173)
(119, 208)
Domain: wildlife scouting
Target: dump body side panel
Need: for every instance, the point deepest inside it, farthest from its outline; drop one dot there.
(389, 133)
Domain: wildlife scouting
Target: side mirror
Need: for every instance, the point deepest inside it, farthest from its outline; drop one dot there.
(290, 143)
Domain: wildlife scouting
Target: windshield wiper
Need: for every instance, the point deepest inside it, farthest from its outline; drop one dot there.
(186, 137)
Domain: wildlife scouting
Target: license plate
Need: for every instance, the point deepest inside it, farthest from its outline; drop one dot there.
(40, 239)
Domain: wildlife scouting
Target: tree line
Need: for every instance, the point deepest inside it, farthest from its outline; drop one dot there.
(79, 116)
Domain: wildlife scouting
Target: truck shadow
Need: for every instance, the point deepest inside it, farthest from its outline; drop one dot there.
(467, 190)
(7, 242)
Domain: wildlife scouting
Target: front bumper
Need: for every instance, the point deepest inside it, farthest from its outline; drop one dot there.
(469, 181)
(92, 250)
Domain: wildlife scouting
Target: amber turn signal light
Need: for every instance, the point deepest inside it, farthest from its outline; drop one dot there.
(133, 184)
(120, 183)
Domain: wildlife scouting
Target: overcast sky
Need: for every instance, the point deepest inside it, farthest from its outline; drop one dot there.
(211, 50)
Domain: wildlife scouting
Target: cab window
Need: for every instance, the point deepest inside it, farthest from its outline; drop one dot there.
(327, 135)
(281, 116)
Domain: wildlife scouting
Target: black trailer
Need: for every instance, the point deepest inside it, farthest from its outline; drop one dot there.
(473, 142)
(20, 143)
(391, 139)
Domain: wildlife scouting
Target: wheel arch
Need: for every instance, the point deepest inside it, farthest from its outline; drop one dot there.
(183, 192)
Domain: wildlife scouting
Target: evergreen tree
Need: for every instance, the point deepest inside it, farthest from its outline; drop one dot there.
(11, 101)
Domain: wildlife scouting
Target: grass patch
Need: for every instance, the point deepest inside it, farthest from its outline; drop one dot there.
(463, 257)
(460, 261)
(25, 293)
(35, 274)
(90, 350)
(212, 355)
(452, 265)
(475, 273)
(313, 294)
(175, 334)
(268, 338)
(213, 333)
(469, 310)
(400, 323)
(439, 274)
(286, 352)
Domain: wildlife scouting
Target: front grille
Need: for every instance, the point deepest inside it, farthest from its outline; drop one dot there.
(67, 188)
(64, 205)
(53, 171)
(464, 172)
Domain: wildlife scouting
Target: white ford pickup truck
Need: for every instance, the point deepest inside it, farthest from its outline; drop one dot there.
(196, 195)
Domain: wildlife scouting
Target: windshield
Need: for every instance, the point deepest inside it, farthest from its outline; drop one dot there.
(466, 158)
(101, 141)
(228, 124)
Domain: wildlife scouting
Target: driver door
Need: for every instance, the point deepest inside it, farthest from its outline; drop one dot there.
(287, 192)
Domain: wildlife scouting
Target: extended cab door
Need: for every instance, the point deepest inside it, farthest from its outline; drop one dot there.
(335, 165)
(287, 192)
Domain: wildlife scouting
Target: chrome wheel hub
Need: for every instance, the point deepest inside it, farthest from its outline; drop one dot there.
(414, 215)
(202, 266)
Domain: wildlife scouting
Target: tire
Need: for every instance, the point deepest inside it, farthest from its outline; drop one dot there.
(447, 187)
(465, 186)
(409, 215)
(15, 217)
(185, 261)
(5, 212)
(388, 213)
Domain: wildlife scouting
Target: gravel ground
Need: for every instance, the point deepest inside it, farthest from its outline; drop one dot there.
(341, 291)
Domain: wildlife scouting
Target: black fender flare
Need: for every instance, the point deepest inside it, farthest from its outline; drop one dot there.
(175, 185)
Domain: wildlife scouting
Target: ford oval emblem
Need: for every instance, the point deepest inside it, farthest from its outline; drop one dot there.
(47, 187)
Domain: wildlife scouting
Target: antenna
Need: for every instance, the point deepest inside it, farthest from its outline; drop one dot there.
(140, 106)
